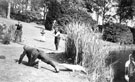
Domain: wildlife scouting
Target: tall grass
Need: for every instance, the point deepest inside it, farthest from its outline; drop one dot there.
(75, 33)
(86, 48)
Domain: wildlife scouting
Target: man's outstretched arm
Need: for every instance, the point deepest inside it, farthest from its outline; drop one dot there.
(22, 56)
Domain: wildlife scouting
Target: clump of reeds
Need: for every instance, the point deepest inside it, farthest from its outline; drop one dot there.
(85, 48)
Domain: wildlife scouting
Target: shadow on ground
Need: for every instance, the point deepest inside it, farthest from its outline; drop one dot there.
(23, 62)
(2, 57)
(48, 69)
(65, 70)
(46, 48)
(35, 66)
(4, 42)
(60, 57)
(39, 27)
(39, 40)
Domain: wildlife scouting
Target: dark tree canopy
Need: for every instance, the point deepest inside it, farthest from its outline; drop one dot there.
(64, 13)
(125, 9)
(3, 8)
(55, 11)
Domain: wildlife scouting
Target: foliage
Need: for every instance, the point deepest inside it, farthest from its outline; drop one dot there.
(78, 35)
(67, 11)
(7, 34)
(37, 4)
(84, 47)
(133, 32)
(71, 15)
(22, 5)
(55, 11)
(80, 16)
(117, 33)
(3, 8)
(89, 7)
(24, 10)
(75, 32)
(125, 9)
(101, 7)
(26, 16)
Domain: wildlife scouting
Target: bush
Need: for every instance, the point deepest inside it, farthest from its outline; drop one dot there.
(3, 8)
(49, 22)
(118, 33)
(64, 13)
(7, 38)
(27, 16)
(2, 30)
(72, 15)
(2, 13)
(7, 34)
(55, 11)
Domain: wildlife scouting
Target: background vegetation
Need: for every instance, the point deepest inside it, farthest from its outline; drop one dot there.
(86, 42)
(117, 33)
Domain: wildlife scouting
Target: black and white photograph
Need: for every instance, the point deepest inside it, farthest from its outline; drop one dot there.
(67, 40)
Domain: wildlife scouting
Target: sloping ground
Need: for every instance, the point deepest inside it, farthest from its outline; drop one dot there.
(10, 71)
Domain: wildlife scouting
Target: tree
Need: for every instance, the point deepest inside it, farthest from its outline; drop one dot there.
(101, 7)
(37, 4)
(55, 11)
(125, 10)
(9, 9)
(3, 8)
(117, 33)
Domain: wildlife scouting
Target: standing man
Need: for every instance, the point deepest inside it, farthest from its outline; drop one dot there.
(18, 32)
(57, 38)
(130, 69)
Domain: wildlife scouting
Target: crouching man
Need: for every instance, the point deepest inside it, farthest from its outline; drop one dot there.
(33, 54)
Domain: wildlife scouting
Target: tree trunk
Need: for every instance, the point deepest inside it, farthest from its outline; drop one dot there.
(9, 10)
(26, 7)
(120, 19)
(45, 12)
(97, 17)
(103, 14)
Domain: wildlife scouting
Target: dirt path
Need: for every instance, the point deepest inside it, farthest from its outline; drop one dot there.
(10, 71)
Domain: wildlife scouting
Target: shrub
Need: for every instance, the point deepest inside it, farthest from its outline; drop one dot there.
(2, 12)
(64, 13)
(118, 33)
(26, 16)
(72, 15)
(11, 31)
(7, 38)
(55, 11)
(7, 34)
(3, 8)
